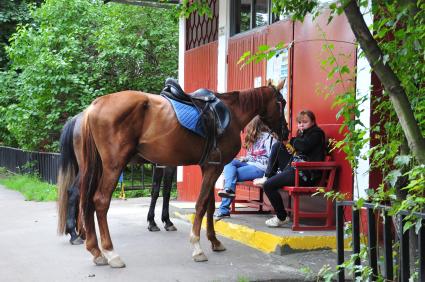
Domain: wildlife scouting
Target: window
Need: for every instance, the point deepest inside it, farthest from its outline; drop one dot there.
(249, 14)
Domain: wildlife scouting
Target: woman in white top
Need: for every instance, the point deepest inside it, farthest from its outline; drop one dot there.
(258, 143)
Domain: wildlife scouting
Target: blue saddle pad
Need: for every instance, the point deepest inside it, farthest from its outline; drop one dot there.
(188, 116)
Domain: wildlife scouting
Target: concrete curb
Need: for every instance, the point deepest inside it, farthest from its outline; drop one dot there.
(266, 242)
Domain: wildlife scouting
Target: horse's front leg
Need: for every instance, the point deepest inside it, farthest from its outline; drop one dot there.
(216, 245)
(157, 174)
(169, 173)
(210, 176)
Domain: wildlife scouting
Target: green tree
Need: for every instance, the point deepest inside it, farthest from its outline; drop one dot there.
(75, 51)
(12, 13)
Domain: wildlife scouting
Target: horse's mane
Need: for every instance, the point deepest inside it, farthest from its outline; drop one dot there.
(249, 99)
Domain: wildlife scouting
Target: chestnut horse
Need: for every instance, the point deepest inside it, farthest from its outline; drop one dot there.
(118, 127)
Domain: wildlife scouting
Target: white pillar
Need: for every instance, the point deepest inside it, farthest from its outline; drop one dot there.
(182, 49)
(223, 39)
(363, 83)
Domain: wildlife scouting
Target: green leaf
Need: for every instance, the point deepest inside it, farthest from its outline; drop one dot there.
(402, 160)
(263, 48)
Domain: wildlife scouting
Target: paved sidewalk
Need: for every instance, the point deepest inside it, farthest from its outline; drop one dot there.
(31, 250)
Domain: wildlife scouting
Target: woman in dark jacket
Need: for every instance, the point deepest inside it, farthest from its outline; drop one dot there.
(309, 145)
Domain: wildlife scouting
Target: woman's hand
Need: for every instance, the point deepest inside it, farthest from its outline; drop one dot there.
(242, 159)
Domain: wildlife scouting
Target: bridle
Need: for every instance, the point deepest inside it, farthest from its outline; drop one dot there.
(281, 104)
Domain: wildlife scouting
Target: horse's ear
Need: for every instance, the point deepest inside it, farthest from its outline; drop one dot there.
(280, 84)
(269, 82)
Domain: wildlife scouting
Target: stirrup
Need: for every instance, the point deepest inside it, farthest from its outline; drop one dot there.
(220, 159)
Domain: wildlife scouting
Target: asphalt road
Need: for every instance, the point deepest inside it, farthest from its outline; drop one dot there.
(32, 251)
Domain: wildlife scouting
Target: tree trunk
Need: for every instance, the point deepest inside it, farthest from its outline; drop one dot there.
(388, 79)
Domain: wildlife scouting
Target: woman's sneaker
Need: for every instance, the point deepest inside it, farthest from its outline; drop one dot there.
(226, 193)
(218, 215)
(276, 222)
(259, 181)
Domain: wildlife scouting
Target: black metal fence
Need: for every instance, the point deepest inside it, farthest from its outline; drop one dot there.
(387, 271)
(46, 165)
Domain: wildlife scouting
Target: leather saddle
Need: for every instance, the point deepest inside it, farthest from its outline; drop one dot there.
(214, 115)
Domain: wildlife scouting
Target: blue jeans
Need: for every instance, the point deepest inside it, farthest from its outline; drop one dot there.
(237, 171)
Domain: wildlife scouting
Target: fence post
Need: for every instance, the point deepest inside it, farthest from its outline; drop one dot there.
(340, 240)
(422, 252)
(388, 247)
(373, 257)
(404, 252)
(356, 238)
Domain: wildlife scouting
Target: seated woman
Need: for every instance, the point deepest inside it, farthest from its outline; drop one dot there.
(308, 145)
(258, 143)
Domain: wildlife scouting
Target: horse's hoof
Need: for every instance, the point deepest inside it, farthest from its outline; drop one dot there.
(100, 260)
(116, 262)
(153, 228)
(218, 247)
(170, 227)
(200, 257)
(77, 241)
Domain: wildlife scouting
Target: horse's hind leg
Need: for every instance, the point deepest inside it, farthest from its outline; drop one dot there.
(209, 177)
(102, 201)
(169, 173)
(216, 245)
(72, 213)
(91, 238)
(157, 174)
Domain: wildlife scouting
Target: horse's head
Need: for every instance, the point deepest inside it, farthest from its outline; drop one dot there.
(273, 114)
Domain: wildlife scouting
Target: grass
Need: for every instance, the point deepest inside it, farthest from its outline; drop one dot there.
(32, 188)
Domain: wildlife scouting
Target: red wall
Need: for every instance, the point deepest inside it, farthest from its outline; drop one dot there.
(309, 77)
(200, 71)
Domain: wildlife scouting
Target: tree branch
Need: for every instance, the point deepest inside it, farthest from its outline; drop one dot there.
(388, 79)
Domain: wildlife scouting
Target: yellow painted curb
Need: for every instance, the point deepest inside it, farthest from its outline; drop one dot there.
(264, 241)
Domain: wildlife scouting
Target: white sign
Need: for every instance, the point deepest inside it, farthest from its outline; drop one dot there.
(257, 81)
(277, 69)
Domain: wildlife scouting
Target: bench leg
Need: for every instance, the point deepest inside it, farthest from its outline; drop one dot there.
(330, 212)
(295, 211)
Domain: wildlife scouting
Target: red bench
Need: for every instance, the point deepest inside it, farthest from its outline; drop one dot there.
(254, 198)
(326, 182)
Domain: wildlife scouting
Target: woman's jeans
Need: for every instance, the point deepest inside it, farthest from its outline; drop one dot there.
(237, 171)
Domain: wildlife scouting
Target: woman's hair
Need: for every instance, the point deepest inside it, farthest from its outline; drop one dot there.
(308, 113)
(253, 131)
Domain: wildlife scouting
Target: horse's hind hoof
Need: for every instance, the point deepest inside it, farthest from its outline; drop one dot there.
(200, 257)
(116, 262)
(77, 241)
(170, 227)
(100, 260)
(153, 228)
(218, 247)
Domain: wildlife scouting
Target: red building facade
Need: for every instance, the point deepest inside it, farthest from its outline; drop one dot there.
(205, 67)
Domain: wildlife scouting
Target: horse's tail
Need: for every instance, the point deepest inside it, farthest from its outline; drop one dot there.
(91, 169)
(68, 168)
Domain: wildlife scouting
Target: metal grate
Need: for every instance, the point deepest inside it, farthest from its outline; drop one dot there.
(202, 30)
